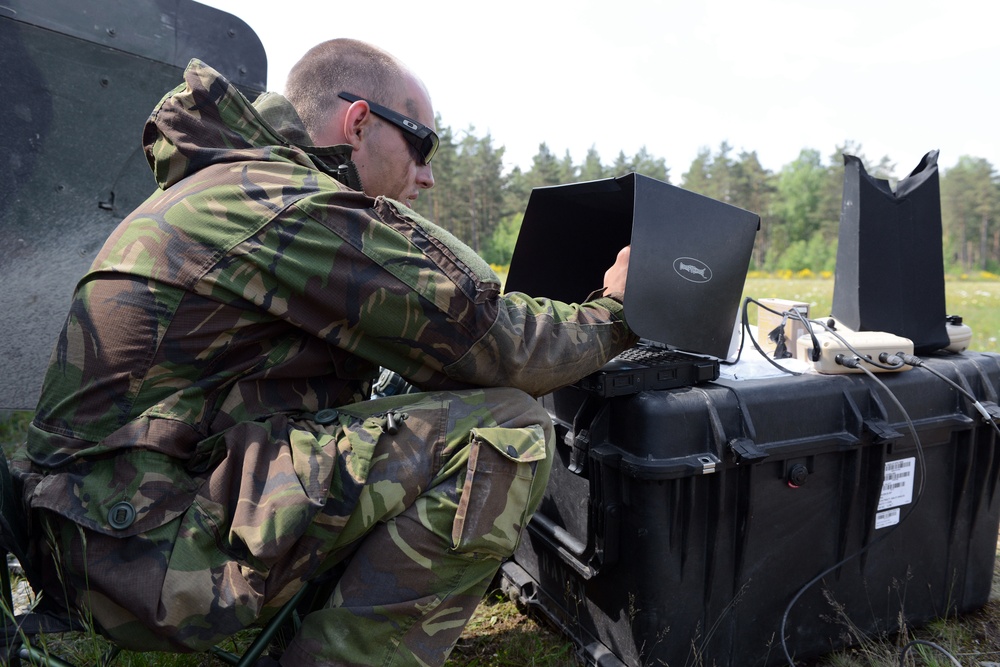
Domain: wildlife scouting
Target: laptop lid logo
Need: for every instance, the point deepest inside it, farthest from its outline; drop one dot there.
(692, 269)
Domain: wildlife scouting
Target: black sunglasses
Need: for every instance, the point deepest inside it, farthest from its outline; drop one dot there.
(421, 137)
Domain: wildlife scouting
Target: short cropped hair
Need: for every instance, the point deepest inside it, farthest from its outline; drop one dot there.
(341, 65)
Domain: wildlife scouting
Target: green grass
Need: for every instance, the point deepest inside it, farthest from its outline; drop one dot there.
(13, 428)
(501, 635)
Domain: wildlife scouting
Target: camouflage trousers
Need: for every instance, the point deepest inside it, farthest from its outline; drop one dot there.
(419, 497)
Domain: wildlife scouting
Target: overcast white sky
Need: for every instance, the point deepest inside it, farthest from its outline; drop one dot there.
(772, 76)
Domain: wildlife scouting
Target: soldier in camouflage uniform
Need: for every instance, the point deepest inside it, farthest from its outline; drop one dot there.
(203, 445)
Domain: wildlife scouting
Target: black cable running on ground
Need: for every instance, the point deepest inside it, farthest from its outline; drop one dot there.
(922, 642)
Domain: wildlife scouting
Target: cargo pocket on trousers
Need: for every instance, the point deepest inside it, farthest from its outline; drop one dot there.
(498, 490)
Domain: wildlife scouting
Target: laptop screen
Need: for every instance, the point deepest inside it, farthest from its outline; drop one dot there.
(689, 259)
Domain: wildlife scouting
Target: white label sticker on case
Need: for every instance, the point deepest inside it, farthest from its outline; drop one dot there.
(897, 485)
(887, 518)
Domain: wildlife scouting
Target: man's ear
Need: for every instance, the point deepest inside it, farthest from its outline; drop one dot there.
(344, 126)
(357, 122)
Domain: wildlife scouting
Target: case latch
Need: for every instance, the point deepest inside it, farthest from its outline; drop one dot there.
(881, 431)
(744, 450)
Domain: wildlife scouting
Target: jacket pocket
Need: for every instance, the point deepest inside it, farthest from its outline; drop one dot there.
(500, 490)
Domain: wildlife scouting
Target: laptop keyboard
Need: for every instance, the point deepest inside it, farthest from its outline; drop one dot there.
(651, 356)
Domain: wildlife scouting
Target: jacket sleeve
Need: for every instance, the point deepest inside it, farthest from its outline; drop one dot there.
(539, 345)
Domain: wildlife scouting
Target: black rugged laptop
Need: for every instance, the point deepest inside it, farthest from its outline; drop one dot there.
(688, 264)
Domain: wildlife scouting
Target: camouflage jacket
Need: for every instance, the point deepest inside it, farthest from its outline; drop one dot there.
(255, 282)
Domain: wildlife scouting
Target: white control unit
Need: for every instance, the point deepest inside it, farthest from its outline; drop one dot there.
(866, 345)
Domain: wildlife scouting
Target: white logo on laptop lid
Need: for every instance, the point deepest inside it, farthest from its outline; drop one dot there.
(692, 269)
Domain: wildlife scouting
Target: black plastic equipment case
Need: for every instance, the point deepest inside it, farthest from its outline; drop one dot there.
(678, 526)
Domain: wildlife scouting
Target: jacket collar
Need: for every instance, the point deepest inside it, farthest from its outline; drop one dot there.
(207, 120)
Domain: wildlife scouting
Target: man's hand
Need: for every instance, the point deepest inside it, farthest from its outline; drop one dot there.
(614, 278)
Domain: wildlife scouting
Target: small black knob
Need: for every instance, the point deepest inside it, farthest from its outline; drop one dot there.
(797, 475)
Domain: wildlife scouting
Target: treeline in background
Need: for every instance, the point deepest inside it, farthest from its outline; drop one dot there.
(799, 204)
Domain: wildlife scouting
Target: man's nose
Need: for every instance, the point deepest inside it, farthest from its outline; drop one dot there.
(425, 177)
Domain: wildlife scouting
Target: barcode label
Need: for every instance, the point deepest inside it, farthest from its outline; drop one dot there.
(897, 483)
(887, 518)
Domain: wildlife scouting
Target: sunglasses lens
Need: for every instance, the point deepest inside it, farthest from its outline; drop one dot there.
(430, 147)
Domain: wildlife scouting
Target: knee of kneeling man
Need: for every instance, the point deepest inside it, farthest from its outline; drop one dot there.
(517, 408)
